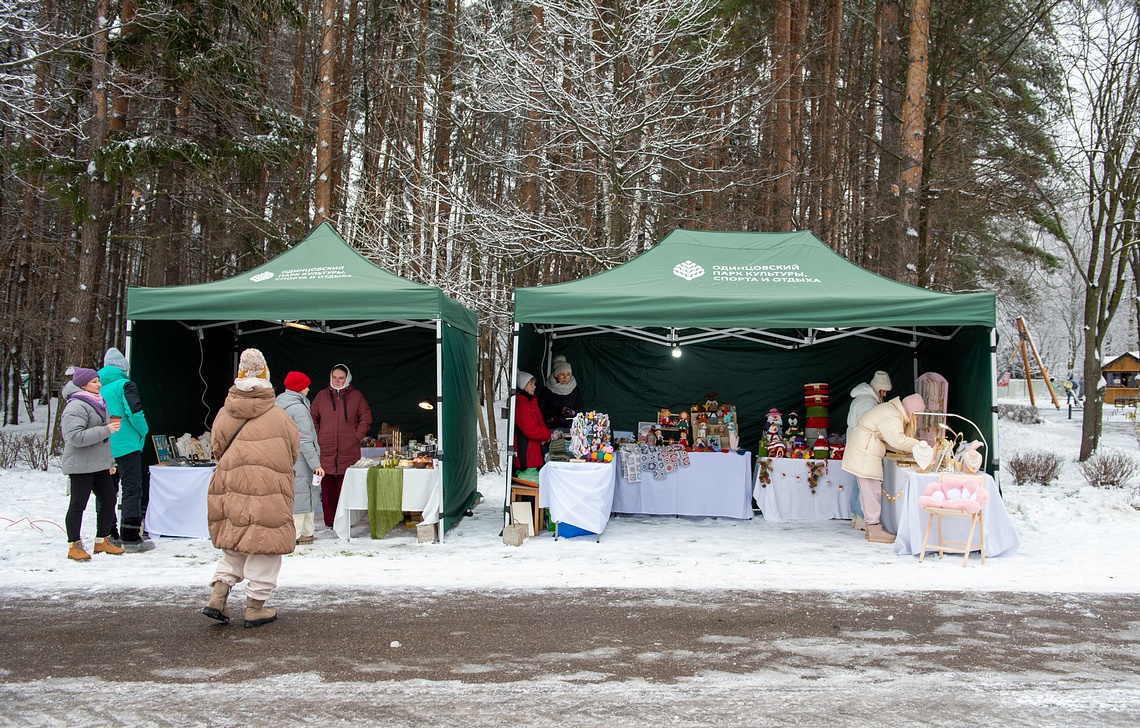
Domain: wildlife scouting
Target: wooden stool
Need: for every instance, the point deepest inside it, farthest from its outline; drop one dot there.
(523, 489)
(964, 547)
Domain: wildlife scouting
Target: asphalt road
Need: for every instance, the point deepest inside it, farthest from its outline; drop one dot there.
(596, 657)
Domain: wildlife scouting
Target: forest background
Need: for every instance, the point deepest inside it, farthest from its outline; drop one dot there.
(480, 146)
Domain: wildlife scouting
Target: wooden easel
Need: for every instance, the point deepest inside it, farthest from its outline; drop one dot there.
(1024, 336)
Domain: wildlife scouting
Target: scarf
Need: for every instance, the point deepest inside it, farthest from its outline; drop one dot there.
(248, 384)
(92, 399)
(553, 385)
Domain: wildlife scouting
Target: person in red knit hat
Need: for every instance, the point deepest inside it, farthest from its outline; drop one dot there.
(294, 400)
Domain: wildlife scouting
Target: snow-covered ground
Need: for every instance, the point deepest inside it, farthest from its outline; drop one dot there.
(1074, 538)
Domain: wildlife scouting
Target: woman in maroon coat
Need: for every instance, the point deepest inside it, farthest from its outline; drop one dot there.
(342, 418)
(530, 430)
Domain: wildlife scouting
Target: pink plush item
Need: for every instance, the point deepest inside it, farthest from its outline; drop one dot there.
(956, 492)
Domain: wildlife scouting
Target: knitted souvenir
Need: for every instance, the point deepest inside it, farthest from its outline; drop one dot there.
(820, 450)
(793, 432)
(774, 418)
(589, 432)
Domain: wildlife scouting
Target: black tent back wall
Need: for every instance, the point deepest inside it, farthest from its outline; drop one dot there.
(631, 379)
(394, 371)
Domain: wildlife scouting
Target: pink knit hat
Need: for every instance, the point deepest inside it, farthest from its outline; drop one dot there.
(913, 403)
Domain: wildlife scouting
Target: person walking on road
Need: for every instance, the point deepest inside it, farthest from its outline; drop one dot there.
(250, 501)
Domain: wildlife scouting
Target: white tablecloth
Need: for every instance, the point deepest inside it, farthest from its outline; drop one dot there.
(714, 484)
(581, 494)
(788, 496)
(423, 492)
(177, 505)
(908, 520)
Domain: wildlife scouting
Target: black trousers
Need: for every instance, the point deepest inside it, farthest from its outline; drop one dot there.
(134, 477)
(82, 486)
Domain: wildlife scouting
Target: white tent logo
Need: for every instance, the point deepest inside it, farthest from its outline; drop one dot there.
(261, 277)
(688, 270)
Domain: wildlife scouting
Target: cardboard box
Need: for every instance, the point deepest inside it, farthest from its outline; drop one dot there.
(425, 533)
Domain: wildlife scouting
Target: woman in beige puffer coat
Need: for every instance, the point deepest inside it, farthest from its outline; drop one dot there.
(250, 501)
(885, 425)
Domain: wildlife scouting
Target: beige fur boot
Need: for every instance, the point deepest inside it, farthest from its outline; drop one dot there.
(878, 534)
(257, 614)
(216, 607)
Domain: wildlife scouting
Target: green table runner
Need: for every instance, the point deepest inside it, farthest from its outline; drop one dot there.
(385, 500)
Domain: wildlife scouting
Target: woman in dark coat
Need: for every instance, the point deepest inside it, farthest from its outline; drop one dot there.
(530, 430)
(561, 399)
(342, 418)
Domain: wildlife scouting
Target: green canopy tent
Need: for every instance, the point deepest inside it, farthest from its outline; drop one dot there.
(318, 304)
(753, 316)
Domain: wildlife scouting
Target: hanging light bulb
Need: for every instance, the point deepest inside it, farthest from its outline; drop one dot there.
(676, 352)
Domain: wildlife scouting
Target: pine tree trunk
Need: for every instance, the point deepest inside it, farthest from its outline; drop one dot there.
(326, 89)
(78, 345)
(912, 134)
(889, 260)
(782, 129)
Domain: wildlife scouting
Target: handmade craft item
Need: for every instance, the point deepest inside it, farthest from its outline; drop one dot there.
(764, 473)
(816, 470)
(774, 418)
(589, 432)
(923, 455)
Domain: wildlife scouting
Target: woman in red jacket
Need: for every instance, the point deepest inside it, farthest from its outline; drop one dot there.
(341, 417)
(530, 430)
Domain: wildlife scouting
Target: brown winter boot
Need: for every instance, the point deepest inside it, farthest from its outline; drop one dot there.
(216, 607)
(257, 614)
(76, 552)
(107, 546)
(878, 534)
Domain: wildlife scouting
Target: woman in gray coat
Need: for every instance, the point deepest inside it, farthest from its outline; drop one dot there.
(294, 400)
(87, 461)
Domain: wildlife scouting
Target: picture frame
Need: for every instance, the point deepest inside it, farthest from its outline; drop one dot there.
(162, 449)
(713, 442)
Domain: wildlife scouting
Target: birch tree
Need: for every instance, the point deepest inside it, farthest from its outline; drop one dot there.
(1103, 135)
(627, 97)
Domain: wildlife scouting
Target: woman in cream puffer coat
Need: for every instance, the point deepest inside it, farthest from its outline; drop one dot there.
(885, 425)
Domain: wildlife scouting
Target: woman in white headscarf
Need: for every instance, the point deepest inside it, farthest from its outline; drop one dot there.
(561, 399)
